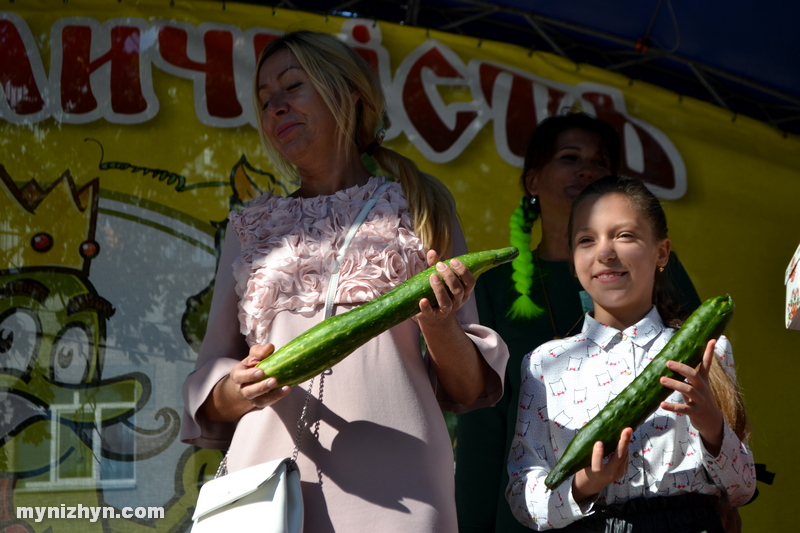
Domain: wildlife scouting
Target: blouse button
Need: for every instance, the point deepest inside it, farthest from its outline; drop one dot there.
(636, 454)
(624, 337)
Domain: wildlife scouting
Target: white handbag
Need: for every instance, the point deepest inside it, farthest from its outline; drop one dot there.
(267, 494)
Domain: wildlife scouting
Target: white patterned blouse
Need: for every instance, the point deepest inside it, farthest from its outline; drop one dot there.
(567, 381)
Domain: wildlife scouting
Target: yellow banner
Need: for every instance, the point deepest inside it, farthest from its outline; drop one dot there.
(127, 134)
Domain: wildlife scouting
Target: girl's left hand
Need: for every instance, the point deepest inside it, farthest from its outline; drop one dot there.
(452, 290)
(699, 406)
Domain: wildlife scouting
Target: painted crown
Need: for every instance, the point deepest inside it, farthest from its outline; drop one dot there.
(52, 228)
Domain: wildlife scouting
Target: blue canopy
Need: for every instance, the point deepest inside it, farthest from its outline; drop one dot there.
(739, 55)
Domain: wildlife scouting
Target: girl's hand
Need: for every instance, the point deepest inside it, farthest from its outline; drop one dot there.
(595, 477)
(451, 293)
(243, 379)
(699, 406)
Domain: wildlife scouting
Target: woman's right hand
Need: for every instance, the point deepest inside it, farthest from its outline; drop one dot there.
(249, 383)
(595, 477)
(243, 389)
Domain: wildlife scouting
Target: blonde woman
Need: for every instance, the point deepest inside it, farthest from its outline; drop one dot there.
(376, 455)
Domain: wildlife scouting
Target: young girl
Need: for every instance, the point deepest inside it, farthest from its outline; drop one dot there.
(566, 153)
(689, 456)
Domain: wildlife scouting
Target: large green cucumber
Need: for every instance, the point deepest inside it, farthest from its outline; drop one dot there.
(643, 395)
(333, 339)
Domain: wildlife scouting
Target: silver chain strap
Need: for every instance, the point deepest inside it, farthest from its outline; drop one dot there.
(301, 423)
(222, 469)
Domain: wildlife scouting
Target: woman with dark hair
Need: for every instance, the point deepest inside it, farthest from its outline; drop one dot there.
(535, 299)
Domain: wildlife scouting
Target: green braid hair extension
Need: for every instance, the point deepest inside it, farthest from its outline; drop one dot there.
(521, 223)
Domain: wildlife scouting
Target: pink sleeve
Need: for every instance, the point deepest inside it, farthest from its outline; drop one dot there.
(223, 346)
(488, 342)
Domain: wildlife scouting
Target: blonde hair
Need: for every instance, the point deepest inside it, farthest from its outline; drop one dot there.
(729, 400)
(337, 72)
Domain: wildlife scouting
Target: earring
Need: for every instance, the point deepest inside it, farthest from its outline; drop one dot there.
(534, 200)
(379, 135)
(661, 269)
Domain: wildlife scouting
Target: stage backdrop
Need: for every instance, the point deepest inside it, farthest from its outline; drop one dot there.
(127, 135)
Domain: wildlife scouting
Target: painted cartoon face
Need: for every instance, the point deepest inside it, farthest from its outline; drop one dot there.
(52, 326)
(580, 158)
(616, 255)
(295, 118)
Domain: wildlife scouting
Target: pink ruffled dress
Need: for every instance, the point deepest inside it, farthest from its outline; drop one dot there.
(382, 459)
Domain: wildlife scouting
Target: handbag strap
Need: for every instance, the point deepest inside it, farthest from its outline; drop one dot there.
(333, 285)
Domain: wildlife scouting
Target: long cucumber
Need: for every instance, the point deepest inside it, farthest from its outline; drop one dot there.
(333, 339)
(644, 394)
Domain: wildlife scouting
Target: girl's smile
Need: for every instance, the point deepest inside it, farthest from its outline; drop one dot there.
(616, 255)
(609, 276)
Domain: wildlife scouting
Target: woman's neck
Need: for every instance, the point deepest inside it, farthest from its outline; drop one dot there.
(554, 245)
(328, 179)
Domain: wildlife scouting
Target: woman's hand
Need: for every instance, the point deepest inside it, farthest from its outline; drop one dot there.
(459, 367)
(595, 477)
(244, 389)
(451, 290)
(699, 406)
(249, 381)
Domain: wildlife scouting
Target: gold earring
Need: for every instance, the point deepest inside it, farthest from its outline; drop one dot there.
(661, 269)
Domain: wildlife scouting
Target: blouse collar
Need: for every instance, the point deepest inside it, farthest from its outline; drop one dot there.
(641, 334)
